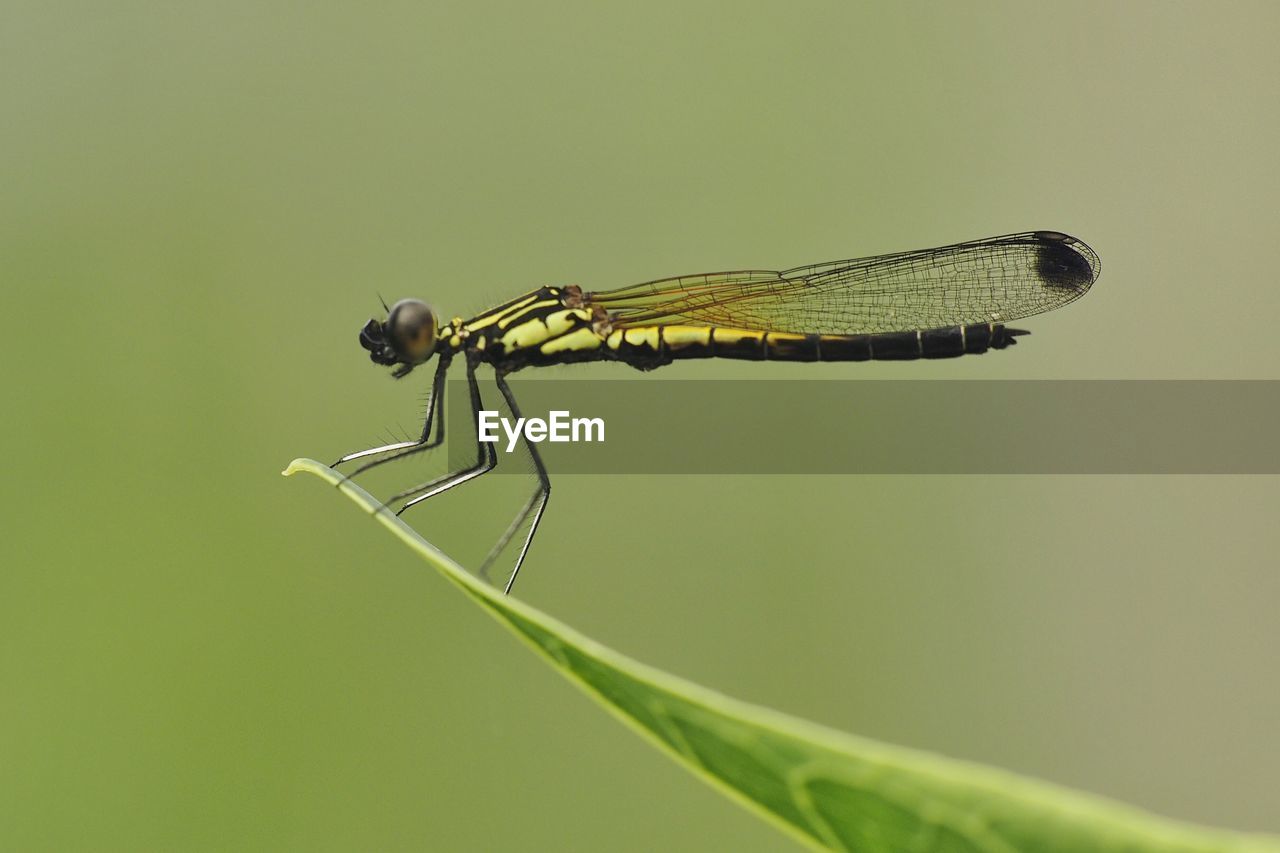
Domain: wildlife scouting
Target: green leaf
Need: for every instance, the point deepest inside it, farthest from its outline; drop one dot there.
(828, 789)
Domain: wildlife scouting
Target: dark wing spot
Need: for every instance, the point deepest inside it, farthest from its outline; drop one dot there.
(1060, 264)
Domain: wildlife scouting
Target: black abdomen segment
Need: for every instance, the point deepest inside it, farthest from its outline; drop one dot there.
(948, 342)
(681, 342)
(653, 346)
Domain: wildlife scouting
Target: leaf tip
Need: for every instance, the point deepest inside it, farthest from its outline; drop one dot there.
(295, 466)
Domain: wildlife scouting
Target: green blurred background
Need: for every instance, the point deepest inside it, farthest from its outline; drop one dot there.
(199, 206)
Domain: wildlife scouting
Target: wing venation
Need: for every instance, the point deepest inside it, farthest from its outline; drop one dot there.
(983, 281)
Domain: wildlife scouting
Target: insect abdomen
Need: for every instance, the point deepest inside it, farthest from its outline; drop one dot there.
(948, 342)
(657, 345)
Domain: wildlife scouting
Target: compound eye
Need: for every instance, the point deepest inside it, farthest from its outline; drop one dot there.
(413, 328)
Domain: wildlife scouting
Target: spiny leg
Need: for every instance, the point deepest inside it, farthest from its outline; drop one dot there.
(485, 456)
(536, 504)
(505, 538)
(435, 415)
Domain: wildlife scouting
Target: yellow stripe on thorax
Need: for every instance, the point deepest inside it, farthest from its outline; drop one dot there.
(517, 317)
(500, 313)
(579, 339)
(545, 330)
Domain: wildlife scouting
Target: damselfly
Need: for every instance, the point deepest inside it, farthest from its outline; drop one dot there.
(931, 303)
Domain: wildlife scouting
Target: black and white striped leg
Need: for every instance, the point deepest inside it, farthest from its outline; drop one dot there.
(401, 449)
(485, 456)
(535, 506)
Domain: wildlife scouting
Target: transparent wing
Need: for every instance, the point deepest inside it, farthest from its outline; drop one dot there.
(983, 281)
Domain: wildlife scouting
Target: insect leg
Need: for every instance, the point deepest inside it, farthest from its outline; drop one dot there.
(536, 504)
(435, 416)
(485, 456)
